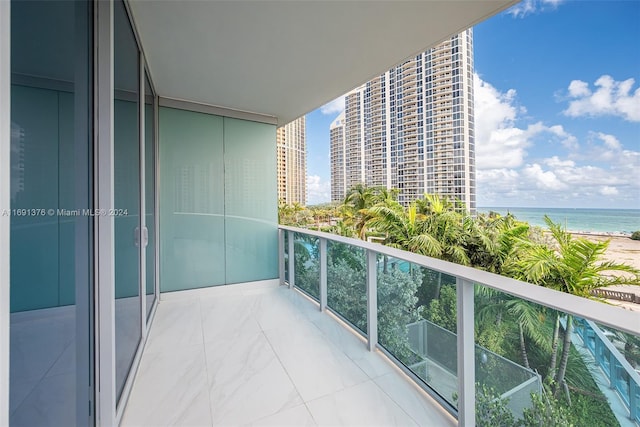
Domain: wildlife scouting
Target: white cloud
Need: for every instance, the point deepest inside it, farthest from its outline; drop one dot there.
(555, 162)
(608, 191)
(335, 106)
(606, 148)
(499, 142)
(511, 169)
(318, 190)
(527, 7)
(610, 141)
(566, 139)
(579, 88)
(609, 98)
(496, 184)
(546, 180)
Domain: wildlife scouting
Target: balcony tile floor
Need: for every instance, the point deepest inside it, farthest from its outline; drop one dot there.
(259, 354)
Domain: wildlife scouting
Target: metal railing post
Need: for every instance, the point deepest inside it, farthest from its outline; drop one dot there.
(323, 274)
(281, 255)
(466, 354)
(597, 348)
(372, 300)
(612, 369)
(292, 260)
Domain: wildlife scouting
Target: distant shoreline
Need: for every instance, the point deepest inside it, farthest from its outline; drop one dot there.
(580, 221)
(601, 233)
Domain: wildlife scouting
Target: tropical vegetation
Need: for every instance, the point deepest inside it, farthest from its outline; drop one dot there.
(535, 337)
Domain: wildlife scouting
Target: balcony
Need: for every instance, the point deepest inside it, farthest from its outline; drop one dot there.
(336, 346)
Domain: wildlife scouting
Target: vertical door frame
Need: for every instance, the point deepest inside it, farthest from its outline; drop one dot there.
(142, 224)
(156, 192)
(84, 243)
(105, 362)
(121, 403)
(5, 204)
(144, 321)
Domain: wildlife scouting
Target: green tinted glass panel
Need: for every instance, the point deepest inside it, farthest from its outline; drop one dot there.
(191, 200)
(251, 203)
(347, 283)
(307, 264)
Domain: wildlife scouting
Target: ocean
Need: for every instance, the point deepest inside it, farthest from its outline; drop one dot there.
(615, 221)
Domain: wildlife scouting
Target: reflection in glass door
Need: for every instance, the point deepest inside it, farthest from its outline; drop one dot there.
(128, 331)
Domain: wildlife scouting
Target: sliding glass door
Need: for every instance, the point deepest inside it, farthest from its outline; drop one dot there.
(134, 187)
(51, 253)
(126, 209)
(83, 218)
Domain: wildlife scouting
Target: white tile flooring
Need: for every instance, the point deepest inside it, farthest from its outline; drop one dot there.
(259, 354)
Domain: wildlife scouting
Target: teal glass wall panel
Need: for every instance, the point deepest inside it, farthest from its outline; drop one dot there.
(191, 200)
(34, 185)
(251, 201)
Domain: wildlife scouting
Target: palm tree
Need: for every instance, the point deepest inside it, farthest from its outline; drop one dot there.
(445, 224)
(492, 240)
(294, 214)
(400, 227)
(358, 199)
(431, 226)
(572, 265)
(497, 307)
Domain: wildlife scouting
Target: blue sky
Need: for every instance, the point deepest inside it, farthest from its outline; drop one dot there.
(557, 94)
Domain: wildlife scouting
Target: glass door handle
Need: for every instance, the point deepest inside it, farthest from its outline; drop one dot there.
(145, 236)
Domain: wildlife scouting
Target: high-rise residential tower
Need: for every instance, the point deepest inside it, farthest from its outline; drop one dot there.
(292, 162)
(412, 128)
(337, 148)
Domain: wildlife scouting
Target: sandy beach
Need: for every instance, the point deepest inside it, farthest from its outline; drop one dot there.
(621, 250)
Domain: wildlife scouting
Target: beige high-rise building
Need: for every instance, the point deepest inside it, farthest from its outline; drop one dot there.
(412, 128)
(337, 148)
(292, 162)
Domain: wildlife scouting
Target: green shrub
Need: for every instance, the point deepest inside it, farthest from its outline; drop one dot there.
(635, 235)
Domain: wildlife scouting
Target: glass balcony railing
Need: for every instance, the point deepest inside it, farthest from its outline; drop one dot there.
(479, 343)
(347, 283)
(307, 264)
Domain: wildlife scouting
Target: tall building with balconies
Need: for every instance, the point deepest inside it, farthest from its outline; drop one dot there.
(292, 161)
(354, 126)
(412, 128)
(337, 152)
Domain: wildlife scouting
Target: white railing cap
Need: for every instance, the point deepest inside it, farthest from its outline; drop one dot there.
(606, 314)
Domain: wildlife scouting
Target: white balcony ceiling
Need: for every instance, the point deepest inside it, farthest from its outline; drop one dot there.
(286, 58)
